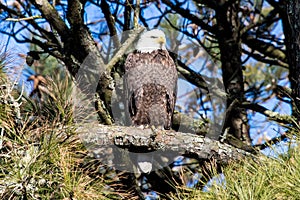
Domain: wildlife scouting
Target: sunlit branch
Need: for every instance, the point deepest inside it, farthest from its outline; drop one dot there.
(136, 14)
(23, 19)
(127, 138)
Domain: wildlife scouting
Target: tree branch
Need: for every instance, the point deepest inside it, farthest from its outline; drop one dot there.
(135, 139)
(52, 16)
(261, 58)
(273, 141)
(264, 48)
(24, 18)
(47, 35)
(110, 23)
(187, 14)
(74, 13)
(275, 116)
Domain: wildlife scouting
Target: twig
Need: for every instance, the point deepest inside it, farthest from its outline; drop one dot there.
(187, 14)
(24, 19)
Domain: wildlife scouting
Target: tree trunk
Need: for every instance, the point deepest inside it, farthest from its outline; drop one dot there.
(229, 39)
(291, 28)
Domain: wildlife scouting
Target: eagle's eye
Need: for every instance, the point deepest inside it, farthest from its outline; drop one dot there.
(153, 37)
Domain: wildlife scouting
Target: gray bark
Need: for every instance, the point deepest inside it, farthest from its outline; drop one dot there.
(101, 141)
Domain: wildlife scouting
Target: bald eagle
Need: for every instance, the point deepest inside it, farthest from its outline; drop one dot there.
(151, 81)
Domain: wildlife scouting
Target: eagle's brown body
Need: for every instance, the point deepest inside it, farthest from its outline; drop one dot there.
(151, 81)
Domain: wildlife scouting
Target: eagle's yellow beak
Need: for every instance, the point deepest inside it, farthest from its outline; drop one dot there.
(161, 40)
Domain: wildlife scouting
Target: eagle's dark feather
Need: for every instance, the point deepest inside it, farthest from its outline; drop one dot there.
(151, 83)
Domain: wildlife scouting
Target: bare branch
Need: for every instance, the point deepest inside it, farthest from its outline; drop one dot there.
(74, 13)
(127, 15)
(272, 141)
(215, 86)
(47, 35)
(24, 19)
(262, 59)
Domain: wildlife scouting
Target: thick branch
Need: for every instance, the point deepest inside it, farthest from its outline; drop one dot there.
(110, 23)
(135, 139)
(52, 16)
(74, 13)
(127, 15)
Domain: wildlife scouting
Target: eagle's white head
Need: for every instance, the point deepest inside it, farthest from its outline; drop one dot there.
(151, 40)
